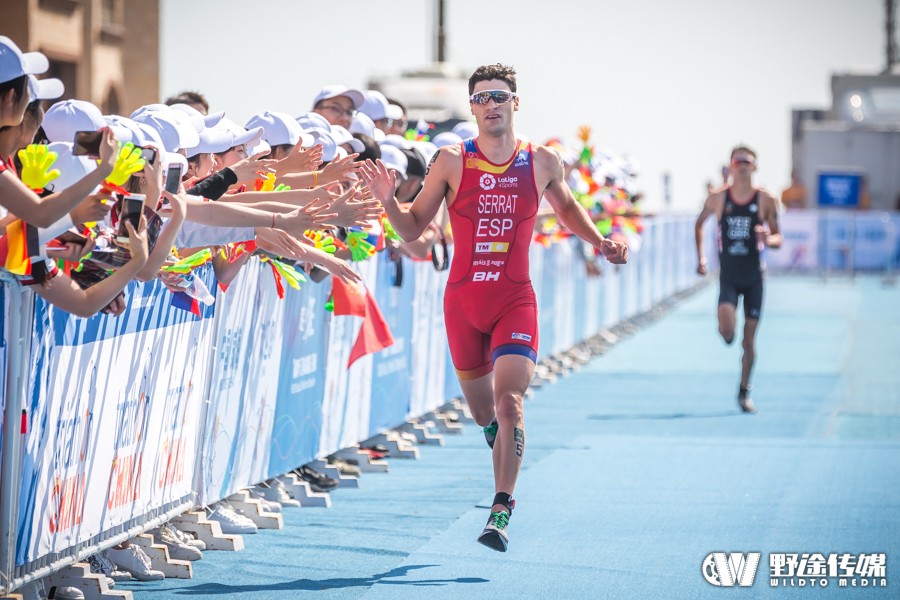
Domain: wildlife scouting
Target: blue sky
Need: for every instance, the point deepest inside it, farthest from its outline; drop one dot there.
(673, 85)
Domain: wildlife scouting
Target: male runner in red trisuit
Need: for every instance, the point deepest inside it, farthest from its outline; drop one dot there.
(493, 185)
(741, 210)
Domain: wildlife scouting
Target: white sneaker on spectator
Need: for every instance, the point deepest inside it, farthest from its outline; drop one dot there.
(266, 501)
(275, 491)
(65, 592)
(100, 563)
(187, 538)
(134, 560)
(231, 522)
(177, 549)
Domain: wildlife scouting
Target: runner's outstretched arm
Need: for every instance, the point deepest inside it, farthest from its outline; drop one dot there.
(570, 212)
(409, 223)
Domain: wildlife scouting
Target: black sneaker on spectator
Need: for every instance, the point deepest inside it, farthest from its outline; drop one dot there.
(317, 481)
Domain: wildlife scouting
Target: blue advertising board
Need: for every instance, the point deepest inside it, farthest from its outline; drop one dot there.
(839, 188)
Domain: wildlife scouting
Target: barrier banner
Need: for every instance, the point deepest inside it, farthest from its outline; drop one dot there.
(113, 417)
(437, 345)
(4, 319)
(875, 240)
(224, 457)
(345, 410)
(301, 382)
(429, 339)
(799, 250)
(260, 393)
(391, 367)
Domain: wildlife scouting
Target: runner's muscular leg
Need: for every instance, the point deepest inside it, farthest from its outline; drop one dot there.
(479, 394)
(512, 375)
(727, 321)
(749, 356)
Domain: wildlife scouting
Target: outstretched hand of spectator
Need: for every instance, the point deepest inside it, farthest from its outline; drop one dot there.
(355, 207)
(247, 169)
(300, 160)
(339, 169)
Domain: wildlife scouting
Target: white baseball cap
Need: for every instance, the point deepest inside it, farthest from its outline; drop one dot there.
(198, 119)
(279, 128)
(127, 130)
(426, 149)
(329, 147)
(397, 141)
(313, 120)
(333, 91)
(362, 123)
(71, 168)
(377, 107)
(213, 140)
(240, 136)
(465, 129)
(261, 147)
(64, 118)
(14, 63)
(447, 138)
(342, 136)
(175, 131)
(45, 89)
(394, 159)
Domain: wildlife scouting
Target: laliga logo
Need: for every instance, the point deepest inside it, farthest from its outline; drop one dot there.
(726, 570)
(487, 181)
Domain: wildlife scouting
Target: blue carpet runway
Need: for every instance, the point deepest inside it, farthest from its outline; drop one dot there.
(637, 467)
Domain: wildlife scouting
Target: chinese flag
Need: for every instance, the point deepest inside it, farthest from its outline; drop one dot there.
(355, 300)
(348, 299)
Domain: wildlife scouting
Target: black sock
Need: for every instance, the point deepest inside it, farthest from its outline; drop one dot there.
(743, 391)
(504, 499)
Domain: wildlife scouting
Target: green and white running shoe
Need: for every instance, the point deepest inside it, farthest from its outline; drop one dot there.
(490, 433)
(494, 535)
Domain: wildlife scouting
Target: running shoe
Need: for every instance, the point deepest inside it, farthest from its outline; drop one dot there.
(490, 433)
(745, 402)
(494, 535)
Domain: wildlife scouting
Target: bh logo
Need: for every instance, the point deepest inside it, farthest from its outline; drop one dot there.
(487, 181)
(728, 570)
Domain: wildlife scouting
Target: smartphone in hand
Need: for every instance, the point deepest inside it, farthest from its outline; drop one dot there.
(132, 209)
(87, 143)
(148, 154)
(173, 177)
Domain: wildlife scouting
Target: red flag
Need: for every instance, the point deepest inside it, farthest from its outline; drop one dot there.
(374, 335)
(348, 299)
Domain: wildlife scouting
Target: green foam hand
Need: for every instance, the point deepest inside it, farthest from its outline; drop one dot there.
(360, 249)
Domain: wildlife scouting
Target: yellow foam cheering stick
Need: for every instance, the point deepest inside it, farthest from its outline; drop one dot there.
(36, 163)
